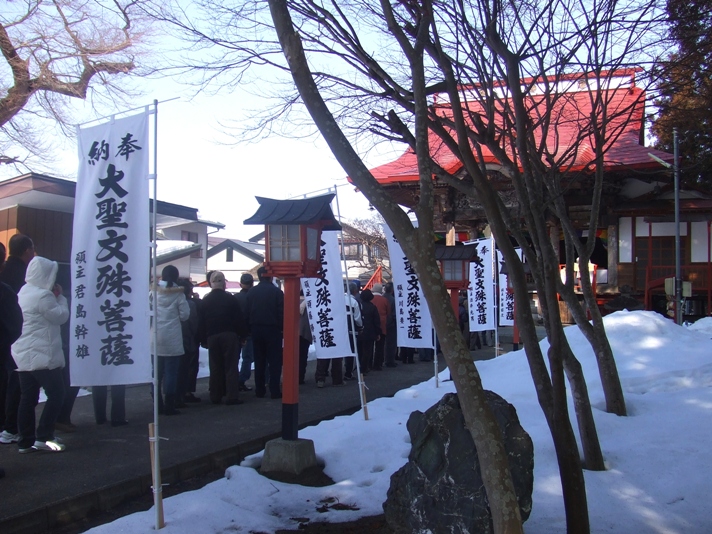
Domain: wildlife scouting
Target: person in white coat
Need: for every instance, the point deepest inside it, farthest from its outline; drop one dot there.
(38, 355)
(171, 309)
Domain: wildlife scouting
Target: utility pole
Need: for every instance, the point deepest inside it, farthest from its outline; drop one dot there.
(678, 269)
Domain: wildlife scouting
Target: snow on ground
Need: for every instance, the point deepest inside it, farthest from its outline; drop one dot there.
(659, 475)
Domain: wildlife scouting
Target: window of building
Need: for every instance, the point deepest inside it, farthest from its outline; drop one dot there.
(229, 254)
(662, 255)
(192, 237)
(351, 251)
(376, 253)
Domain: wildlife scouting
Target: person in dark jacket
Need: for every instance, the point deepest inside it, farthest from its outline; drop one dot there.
(10, 330)
(391, 328)
(22, 250)
(305, 339)
(384, 309)
(190, 362)
(265, 315)
(247, 353)
(222, 328)
(371, 330)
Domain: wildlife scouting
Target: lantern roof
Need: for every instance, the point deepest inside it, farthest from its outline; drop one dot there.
(296, 211)
(455, 252)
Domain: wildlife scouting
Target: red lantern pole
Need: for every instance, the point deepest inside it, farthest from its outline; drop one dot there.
(290, 355)
(455, 301)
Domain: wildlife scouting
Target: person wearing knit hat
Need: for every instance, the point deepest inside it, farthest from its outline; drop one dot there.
(217, 280)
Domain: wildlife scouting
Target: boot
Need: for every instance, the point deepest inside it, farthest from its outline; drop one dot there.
(170, 407)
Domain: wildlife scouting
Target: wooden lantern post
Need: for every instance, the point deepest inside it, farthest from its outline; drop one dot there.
(292, 251)
(454, 267)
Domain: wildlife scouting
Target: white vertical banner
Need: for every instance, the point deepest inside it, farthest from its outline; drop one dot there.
(481, 295)
(415, 326)
(109, 332)
(506, 297)
(326, 303)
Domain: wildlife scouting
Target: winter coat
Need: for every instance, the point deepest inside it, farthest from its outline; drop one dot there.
(304, 328)
(220, 312)
(391, 323)
(13, 274)
(10, 320)
(353, 309)
(371, 322)
(265, 306)
(190, 328)
(384, 309)
(172, 308)
(40, 344)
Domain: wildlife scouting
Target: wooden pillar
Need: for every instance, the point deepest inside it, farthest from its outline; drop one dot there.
(290, 356)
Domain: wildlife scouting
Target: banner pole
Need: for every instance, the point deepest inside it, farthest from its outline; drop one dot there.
(155, 430)
(362, 384)
(496, 299)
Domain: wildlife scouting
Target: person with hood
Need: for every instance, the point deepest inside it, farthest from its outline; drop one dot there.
(39, 357)
(171, 309)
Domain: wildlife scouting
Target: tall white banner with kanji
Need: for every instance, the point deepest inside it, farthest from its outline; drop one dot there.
(110, 263)
(415, 326)
(506, 297)
(481, 296)
(326, 303)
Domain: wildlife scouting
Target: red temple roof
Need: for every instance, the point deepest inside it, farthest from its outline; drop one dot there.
(566, 139)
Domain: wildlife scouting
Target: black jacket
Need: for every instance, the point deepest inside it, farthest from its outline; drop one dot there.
(371, 322)
(265, 306)
(220, 312)
(10, 319)
(13, 274)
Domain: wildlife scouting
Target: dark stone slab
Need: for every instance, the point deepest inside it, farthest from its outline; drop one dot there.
(440, 489)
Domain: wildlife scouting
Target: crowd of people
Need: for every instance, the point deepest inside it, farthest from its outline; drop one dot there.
(241, 332)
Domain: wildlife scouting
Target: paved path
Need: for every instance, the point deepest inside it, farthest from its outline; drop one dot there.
(104, 466)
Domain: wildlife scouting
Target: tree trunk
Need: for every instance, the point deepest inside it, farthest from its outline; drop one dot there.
(596, 335)
(481, 422)
(551, 386)
(592, 454)
(572, 479)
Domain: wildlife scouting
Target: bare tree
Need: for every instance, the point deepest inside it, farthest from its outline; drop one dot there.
(56, 50)
(483, 82)
(370, 232)
(418, 245)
